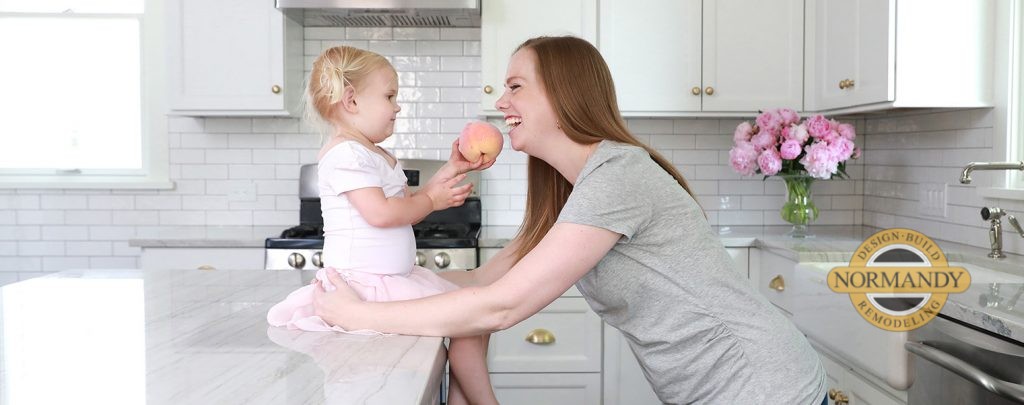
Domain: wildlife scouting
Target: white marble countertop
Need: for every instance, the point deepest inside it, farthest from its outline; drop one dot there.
(193, 337)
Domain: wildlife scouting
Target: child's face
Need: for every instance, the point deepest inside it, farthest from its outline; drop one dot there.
(525, 104)
(378, 105)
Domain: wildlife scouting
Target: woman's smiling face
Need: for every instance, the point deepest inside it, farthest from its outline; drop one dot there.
(528, 112)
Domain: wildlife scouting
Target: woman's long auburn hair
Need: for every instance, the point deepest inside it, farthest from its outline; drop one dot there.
(579, 86)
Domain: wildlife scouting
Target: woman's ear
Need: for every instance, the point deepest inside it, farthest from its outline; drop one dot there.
(348, 100)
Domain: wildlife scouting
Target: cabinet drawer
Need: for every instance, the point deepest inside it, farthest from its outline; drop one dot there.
(776, 272)
(576, 347)
(547, 389)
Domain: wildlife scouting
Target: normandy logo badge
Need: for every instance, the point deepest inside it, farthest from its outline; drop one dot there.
(898, 279)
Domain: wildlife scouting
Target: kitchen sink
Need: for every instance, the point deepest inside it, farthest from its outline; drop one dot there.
(831, 321)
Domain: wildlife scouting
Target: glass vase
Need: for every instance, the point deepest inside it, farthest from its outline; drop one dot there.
(799, 208)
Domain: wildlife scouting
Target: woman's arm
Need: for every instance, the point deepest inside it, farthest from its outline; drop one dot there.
(530, 285)
(487, 273)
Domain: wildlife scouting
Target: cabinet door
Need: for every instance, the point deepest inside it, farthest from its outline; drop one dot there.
(504, 24)
(575, 344)
(740, 257)
(547, 389)
(653, 51)
(624, 380)
(854, 41)
(752, 54)
(228, 56)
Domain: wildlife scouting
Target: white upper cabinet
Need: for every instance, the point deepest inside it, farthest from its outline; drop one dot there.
(678, 57)
(865, 55)
(507, 23)
(233, 57)
(653, 51)
(753, 55)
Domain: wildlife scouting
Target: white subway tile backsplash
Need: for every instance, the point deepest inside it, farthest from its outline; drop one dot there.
(323, 33)
(439, 48)
(111, 233)
(113, 262)
(9, 248)
(50, 202)
(416, 33)
(378, 33)
(36, 248)
(54, 264)
(89, 249)
(19, 202)
(389, 48)
(87, 217)
(252, 171)
(37, 217)
(416, 64)
(460, 63)
(229, 125)
(275, 125)
(230, 217)
(275, 156)
(182, 218)
(184, 124)
(60, 232)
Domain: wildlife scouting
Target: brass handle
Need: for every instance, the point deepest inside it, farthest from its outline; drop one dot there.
(777, 283)
(275, 89)
(695, 90)
(838, 396)
(845, 84)
(540, 336)
(709, 90)
(488, 89)
(206, 267)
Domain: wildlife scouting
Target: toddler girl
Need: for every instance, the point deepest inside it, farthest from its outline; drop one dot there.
(368, 215)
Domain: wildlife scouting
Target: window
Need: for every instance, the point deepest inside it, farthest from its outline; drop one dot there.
(1016, 131)
(83, 98)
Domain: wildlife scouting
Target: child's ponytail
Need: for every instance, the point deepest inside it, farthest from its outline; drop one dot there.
(334, 71)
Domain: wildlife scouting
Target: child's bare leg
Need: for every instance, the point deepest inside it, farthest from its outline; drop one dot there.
(468, 361)
(455, 395)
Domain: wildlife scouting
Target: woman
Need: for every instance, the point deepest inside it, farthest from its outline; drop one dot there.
(615, 218)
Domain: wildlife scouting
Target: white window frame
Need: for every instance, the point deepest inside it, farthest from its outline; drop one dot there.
(1015, 132)
(155, 169)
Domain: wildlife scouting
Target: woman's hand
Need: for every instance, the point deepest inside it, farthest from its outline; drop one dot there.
(457, 164)
(332, 306)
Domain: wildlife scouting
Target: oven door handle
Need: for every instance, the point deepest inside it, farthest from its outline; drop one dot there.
(966, 370)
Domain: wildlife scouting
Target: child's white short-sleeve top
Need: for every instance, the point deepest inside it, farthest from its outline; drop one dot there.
(349, 241)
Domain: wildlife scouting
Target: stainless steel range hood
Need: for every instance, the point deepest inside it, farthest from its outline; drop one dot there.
(383, 13)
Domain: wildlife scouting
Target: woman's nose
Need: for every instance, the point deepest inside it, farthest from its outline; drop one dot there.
(502, 101)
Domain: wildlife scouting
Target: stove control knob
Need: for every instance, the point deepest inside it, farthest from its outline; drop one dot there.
(297, 261)
(442, 260)
(421, 259)
(318, 259)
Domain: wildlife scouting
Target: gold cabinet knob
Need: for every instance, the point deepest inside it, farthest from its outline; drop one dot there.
(845, 84)
(488, 89)
(838, 396)
(695, 90)
(777, 283)
(540, 336)
(275, 89)
(709, 90)
(206, 267)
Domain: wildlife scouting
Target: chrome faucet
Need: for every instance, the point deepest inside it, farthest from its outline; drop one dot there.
(995, 231)
(965, 177)
(992, 299)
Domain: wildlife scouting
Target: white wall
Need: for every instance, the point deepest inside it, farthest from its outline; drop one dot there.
(906, 149)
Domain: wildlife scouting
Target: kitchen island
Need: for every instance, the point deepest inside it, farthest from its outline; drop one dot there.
(193, 337)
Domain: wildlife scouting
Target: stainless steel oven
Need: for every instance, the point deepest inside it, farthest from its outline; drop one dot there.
(959, 364)
(445, 240)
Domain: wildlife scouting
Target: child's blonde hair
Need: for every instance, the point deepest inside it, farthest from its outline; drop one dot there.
(333, 71)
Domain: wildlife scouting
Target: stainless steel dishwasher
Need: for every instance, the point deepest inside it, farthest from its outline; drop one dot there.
(958, 364)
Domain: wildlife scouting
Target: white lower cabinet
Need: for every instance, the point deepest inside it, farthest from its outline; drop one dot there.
(547, 389)
(847, 383)
(202, 258)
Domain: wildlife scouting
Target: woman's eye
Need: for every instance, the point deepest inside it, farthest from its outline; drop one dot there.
(513, 86)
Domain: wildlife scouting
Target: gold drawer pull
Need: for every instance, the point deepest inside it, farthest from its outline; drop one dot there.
(838, 396)
(777, 283)
(206, 267)
(540, 336)
(488, 89)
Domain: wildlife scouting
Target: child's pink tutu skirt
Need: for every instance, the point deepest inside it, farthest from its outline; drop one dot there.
(296, 311)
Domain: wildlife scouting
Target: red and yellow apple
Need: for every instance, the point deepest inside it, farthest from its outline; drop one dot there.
(479, 138)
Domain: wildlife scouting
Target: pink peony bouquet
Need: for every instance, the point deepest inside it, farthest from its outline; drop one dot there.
(778, 143)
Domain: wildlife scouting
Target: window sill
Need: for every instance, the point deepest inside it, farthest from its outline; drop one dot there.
(1001, 193)
(92, 182)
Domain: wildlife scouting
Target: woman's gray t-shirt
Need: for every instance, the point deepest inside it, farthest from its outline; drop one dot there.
(699, 330)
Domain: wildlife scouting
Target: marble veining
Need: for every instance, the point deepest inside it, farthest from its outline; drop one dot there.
(193, 337)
